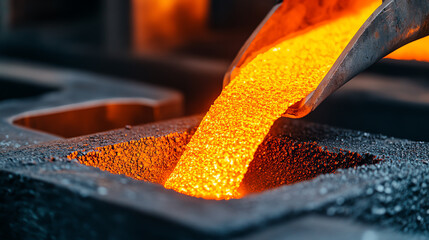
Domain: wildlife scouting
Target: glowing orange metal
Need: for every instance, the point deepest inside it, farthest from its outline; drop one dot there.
(150, 159)
(271, 77)
(218, 155)
(417, 50)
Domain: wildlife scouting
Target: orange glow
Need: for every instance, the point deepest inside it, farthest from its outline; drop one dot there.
(292, 18)
(160, 24)
(165, 24)
(417, 50)
(150, 159)
(218, 155)
(278, 160)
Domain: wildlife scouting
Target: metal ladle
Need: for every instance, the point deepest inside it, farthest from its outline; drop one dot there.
(392, 25)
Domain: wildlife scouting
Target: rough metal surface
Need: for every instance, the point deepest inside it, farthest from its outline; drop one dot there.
(327, 228)
(44, 192)
(72, 87)
(394, 24)
(44, 195)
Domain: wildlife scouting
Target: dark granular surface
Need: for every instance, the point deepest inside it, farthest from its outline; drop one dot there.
(281, 160)
(41, 196)
(395, 195)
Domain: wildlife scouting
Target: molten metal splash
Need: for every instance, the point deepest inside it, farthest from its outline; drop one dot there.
(218, 155)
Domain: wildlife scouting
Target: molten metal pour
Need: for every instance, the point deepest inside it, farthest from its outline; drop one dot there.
(394, 24)
(219, 153)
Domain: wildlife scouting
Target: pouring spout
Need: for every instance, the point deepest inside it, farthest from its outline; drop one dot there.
(394, 24)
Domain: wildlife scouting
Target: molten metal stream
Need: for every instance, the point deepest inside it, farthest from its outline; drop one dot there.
(218, 155)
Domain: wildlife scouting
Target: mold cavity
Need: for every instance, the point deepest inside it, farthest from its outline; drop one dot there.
(83, 119)
(15, 88)
(279, 160)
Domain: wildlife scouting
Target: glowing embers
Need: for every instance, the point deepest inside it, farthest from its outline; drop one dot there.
(279, 160)
(150, 159)
(218, 155)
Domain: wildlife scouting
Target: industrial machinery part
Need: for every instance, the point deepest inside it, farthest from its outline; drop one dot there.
(394, 24)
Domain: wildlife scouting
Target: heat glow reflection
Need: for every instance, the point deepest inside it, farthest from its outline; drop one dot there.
(417, 50)
(218, 155)
(163, 24)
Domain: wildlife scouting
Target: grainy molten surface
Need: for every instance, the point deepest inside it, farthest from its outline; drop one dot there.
(218, 155)
(150, 159)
